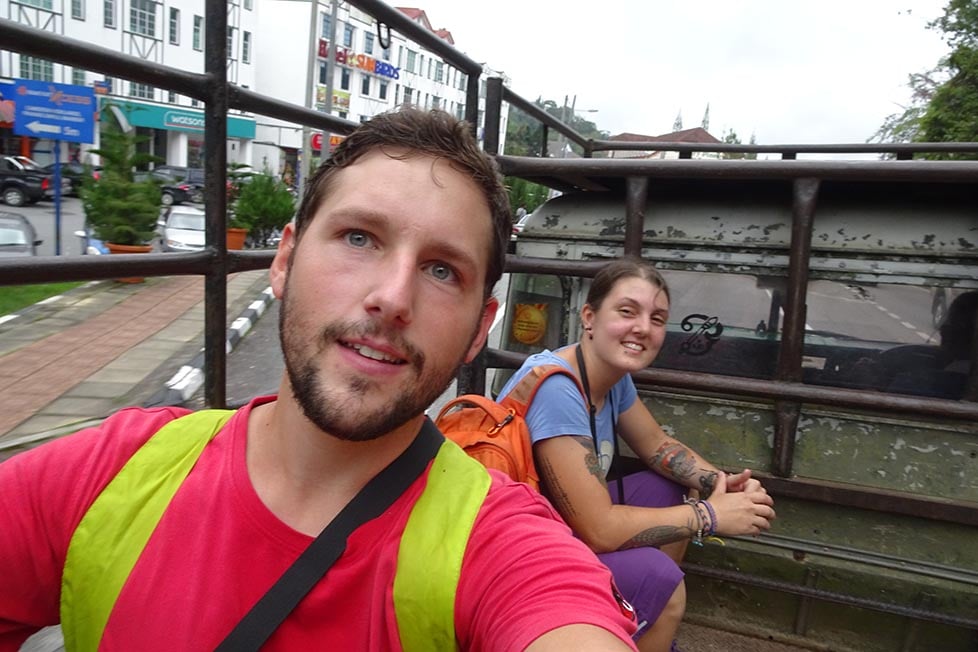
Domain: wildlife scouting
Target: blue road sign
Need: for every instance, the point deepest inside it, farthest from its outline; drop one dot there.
(54, 111)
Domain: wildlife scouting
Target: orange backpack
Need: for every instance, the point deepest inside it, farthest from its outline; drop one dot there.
(496, 434)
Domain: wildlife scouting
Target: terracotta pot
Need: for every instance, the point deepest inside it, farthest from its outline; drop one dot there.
(236, 238)
(128, 249)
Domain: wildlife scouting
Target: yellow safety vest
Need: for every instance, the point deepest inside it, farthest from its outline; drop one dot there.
(113, 532)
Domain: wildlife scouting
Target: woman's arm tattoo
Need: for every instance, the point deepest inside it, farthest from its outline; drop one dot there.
(681, 463)
(591, 460)
(660, 535)
(553, 489)
(676, 459)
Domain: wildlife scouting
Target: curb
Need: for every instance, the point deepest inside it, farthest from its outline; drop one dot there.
(190, 377)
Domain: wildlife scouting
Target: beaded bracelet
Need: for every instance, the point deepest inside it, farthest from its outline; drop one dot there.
(713, 518)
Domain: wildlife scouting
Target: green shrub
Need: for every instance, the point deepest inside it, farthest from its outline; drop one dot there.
(264, 206)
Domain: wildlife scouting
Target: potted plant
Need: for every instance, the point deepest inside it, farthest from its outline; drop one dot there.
(237, 226)
(265, 206)
(121, 211)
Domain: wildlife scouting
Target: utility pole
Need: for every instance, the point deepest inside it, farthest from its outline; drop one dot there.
(304, 167)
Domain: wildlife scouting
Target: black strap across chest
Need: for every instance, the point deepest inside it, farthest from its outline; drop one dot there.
(378, 494)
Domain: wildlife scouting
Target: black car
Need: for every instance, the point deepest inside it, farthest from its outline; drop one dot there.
(23, 181)
(179, 175)
(75, 172)
(173, 192)
(17, 236)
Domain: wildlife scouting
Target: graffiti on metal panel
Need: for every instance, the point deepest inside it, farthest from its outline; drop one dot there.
(707, 332)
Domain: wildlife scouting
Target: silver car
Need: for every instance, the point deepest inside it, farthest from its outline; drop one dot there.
(17, 235)
(182, 229)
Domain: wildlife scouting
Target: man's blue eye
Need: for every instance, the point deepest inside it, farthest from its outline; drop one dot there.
(441, 272)
(357, 239)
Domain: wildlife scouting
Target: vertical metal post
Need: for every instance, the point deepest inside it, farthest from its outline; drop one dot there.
(215, 171)
(787, 413)
(472, 100)
(494, 109)
(636, 196)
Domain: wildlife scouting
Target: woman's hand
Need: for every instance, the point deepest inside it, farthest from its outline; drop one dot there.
(743, 482)
(749, 510)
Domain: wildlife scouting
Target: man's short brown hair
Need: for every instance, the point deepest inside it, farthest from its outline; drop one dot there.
(431, 133)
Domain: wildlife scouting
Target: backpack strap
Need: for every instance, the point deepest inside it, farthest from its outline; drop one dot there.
(127, 510)
(522, 395)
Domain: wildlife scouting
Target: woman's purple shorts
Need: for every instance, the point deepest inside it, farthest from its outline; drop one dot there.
(646, 577)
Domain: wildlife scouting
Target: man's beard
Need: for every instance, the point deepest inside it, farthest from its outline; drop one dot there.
(341, 417)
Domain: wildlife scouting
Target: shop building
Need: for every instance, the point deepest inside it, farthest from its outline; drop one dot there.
(171, 34)
(373, 71)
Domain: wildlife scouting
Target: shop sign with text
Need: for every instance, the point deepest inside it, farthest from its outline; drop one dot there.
(361, 61)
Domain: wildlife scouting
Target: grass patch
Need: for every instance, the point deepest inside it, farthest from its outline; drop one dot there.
(16, 297)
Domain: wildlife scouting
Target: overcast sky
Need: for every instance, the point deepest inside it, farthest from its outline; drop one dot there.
(788, 71)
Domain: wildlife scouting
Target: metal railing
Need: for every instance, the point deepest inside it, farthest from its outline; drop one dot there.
(786, 390)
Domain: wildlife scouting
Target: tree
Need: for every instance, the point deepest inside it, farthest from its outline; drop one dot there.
(120, 209)
(731, 138)
(264, 207)
(943, 110)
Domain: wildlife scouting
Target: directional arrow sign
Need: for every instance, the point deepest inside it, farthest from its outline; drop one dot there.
(56, 111)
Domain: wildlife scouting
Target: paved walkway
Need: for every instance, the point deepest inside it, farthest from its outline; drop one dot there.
(76, 358)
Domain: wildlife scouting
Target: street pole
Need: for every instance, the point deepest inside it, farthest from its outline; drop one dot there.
(304, 164)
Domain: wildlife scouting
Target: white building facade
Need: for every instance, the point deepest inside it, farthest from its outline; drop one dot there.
(170, 33)
(372, 73)
(273, 47)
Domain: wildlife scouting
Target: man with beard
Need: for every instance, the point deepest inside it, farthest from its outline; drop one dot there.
(386, 282)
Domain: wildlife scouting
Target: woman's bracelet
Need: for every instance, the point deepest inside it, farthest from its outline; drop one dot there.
(713, 517)
(700, 517)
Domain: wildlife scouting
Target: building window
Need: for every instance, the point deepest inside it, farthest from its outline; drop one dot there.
(246, 47)
(36, 68)
(144, 91)
(174, 26)
(326, 20)
(142, 17)
(342, 114)
(249, 4)
(430, 66)
(78, 9)
(412, 57)
(439, 71)
(322, 72)
(345, 79)
(365, 84)
(382, 92)
(368, 42)
(348, 35)
(108, 13)
(171, 97)
(462, 81)
(385, 54)
(78, 77)
(408, 95)
(194, 102)
(40, 4)
(198, 29)
(231, 42)
(435, 102)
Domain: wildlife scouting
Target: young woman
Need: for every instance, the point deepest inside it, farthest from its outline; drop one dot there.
(642, 537)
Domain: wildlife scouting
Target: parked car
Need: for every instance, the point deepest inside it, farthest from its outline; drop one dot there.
(172, 192)
(23, 181)
(182, 229)
(17, 235)
(178, 175)
(74, 172)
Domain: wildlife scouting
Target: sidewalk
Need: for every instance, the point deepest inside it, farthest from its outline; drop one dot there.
(75, 358)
